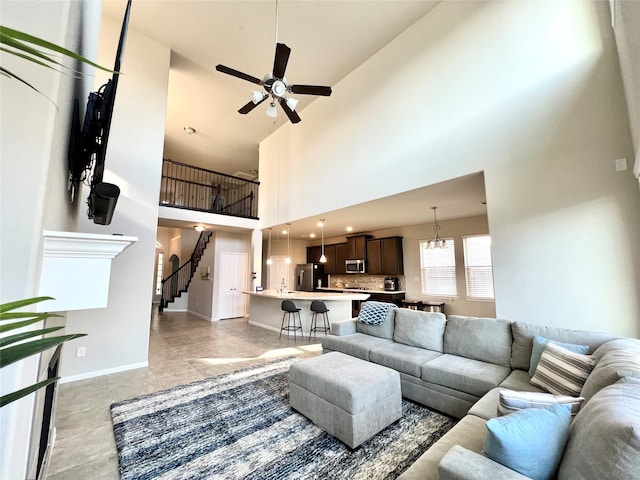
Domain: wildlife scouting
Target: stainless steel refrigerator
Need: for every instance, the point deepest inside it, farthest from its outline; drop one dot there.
(308, 275)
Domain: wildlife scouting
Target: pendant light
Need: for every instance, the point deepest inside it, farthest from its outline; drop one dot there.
(437, 242)
(269, 260)
(288, 259)
(323, 259)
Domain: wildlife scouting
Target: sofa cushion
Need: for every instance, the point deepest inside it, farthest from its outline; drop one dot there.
(384, 330)
(461, 463)
(530, 441)
(464, 374)
(615, 359)
(357, 345)
(485, 339)
(521, 381)
(403, 358)
(609, 422)
(375, 313)
(469, 432)
(538, 346)
(510, 401)
(420, 329)
(561, 371)
(523, 340)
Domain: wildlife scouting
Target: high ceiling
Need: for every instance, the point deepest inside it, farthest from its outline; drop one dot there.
(328, 39)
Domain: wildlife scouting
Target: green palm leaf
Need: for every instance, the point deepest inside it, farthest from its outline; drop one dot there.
(7, 33)
(19, 352)
(18, 337)
(12, 397)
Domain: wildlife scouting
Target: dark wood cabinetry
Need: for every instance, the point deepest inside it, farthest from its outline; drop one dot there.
(342, 254)
(357, 247)
(396, 298)
(385, 257)
(330, 253)
(313, 254)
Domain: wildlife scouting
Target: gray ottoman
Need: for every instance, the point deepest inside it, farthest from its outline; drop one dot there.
(347, 397)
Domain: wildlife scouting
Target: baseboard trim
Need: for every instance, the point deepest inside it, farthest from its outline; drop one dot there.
(100, 373)
(268, 327)
(200, 315)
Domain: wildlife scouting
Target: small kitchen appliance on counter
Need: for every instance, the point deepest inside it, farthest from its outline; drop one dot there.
(391, 284)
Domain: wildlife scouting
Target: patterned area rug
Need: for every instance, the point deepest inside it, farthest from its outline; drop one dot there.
(239, 425)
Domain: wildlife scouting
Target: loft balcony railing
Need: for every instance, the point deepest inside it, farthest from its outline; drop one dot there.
(194, 188)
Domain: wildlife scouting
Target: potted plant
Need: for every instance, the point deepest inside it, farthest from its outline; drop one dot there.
(19, 346)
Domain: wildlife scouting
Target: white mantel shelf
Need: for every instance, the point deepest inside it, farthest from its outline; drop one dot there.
(76, 268)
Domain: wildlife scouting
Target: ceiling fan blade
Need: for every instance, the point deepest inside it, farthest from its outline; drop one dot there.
(250, 106)
(293, 116)
(236, 73)
(310, 90)
(280, 60)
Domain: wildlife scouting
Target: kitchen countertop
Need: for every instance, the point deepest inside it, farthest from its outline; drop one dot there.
(328, 296)
(384, 292)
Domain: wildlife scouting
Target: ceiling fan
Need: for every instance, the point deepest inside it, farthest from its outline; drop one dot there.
(276, 87)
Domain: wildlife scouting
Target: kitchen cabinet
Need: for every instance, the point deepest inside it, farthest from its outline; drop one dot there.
(357, 247)
(385, 256)
(313, 254)
(396, 298)
(342, 254)
(330, 253)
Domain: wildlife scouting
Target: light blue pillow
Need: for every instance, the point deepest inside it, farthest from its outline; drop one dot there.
(538, 346)
(530, 441)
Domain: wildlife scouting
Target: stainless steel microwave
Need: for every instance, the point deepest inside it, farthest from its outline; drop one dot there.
(355, 266)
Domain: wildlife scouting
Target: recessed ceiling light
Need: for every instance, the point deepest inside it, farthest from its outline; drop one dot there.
(349, 228)
(320, 224)
(312, 235)
(284, 232)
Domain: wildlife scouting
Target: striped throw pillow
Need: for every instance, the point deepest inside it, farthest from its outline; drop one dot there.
(562, 372)
(511, 401)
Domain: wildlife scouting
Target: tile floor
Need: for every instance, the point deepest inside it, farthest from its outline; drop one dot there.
(182, 348)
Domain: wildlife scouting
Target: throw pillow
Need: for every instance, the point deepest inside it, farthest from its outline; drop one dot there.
(511, 401)
(538, 346)
(562, 372)
(530, 441)
(374, 313)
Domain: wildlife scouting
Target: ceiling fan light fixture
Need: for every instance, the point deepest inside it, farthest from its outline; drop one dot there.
(271, 111)
(257, 96)
(278, 88)
(292, 103)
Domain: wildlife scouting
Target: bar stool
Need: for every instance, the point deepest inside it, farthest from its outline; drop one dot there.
(317, 307)
(289, 308)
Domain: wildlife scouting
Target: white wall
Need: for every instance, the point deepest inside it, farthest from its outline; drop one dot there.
(33, 171)
(118, 335)
(528, 92)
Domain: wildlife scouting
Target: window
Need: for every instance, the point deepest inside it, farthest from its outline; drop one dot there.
(159, 273)
(478, 267)
(438, 267)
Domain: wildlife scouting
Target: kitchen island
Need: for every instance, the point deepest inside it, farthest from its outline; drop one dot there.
(265, 311)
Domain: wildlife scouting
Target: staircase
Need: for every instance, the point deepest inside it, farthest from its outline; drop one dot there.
(178, 282)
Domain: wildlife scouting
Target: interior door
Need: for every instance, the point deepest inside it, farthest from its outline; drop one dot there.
(233, 280)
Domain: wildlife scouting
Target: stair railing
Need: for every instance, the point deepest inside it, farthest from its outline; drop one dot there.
(178, 282)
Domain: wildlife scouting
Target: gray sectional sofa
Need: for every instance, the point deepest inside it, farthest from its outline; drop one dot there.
(459, 365)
